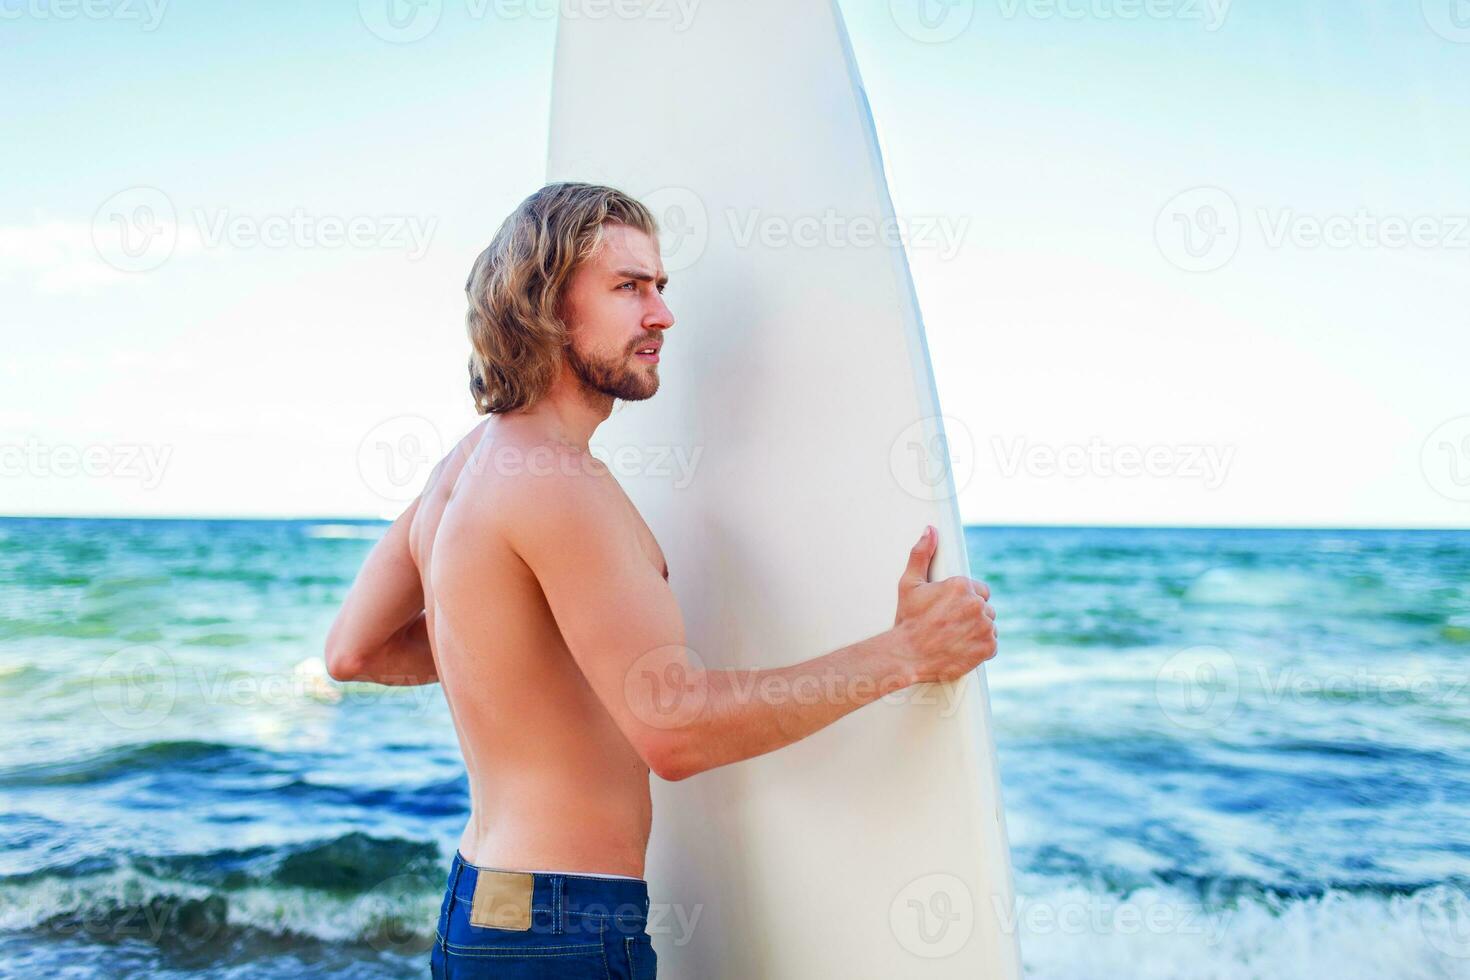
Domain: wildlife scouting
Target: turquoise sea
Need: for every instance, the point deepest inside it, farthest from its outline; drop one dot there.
(1225, 754)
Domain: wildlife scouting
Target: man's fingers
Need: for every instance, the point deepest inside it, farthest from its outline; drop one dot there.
(981, 589)
(920, 557)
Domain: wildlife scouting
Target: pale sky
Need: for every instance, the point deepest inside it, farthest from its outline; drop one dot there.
(1184, 262)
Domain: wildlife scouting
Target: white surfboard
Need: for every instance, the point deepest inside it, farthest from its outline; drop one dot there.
(790, 460)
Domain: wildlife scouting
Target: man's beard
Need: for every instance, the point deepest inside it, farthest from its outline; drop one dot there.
(612, 377)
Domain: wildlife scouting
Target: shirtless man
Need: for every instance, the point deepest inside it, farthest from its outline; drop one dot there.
(525, 581)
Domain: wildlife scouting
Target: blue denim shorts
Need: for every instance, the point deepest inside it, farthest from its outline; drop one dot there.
(520, 925)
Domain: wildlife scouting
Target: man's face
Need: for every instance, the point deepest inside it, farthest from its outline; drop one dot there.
(614, 308)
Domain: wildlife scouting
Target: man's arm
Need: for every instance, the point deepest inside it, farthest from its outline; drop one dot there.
(622, 624)
(381, 633)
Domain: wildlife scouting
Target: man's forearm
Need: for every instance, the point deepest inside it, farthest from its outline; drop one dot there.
(746, 713)
(405, 660)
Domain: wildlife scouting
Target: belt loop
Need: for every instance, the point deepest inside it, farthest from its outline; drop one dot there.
(558, 916)
(449, 909)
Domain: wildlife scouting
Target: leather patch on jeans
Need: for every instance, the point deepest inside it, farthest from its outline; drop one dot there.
(502, 900)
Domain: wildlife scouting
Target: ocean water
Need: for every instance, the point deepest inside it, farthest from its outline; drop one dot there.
(1225, 754)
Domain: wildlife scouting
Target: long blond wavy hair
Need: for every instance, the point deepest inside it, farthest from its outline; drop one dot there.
(516, 286)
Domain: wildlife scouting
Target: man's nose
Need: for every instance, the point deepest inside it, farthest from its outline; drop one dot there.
(660, 317)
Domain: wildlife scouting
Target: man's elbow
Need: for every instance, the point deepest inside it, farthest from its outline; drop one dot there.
(344, 662)
(671, 759)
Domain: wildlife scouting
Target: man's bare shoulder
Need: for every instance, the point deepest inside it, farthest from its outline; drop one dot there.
(533, 490)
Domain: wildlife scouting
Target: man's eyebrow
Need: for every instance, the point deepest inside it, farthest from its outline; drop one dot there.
(641, 275)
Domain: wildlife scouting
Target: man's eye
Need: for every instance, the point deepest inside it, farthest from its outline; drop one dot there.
(662, 287)
(630, 283)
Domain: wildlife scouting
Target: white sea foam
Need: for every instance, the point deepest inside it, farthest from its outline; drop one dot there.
(1073, 932)
(125, 903)
(1068, 930)
(1253, 587)
(366, 532)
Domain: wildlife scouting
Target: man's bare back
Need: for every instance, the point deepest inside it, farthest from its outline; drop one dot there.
(540, 749)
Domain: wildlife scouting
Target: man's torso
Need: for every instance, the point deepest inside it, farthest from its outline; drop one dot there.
(553, 783)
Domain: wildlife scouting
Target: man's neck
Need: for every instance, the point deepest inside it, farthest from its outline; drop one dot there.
(570, 412)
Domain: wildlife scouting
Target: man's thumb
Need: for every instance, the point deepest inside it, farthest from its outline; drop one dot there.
(917, 572)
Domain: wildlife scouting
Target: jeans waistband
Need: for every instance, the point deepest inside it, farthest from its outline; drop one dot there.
(565, 894)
